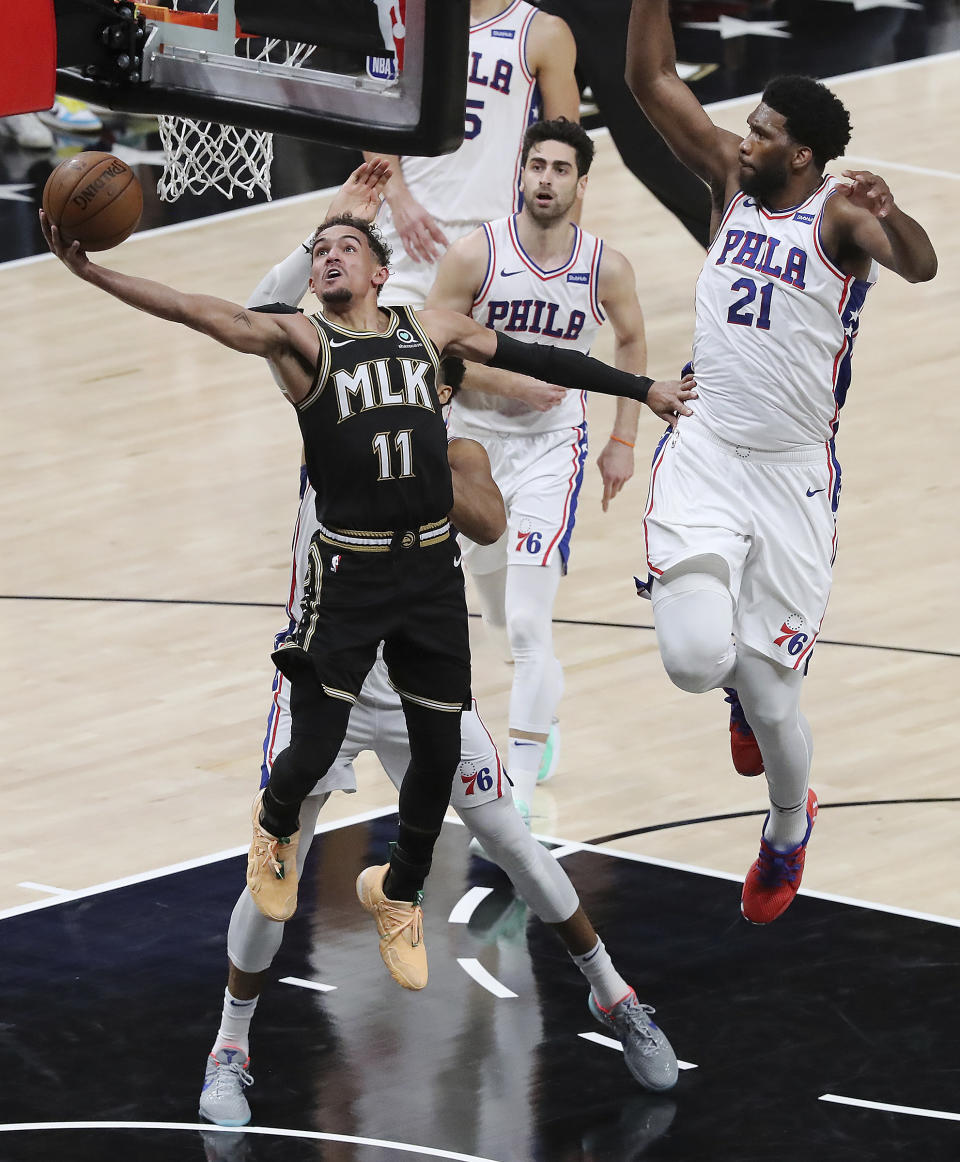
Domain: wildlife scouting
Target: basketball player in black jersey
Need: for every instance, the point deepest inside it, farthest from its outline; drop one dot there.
(383, 563)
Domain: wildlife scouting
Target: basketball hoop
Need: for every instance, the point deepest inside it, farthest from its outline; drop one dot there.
(203, 155)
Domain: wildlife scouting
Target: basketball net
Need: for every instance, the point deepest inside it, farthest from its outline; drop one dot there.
(203, 155)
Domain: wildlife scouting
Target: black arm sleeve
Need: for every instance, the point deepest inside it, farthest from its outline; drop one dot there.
(567, 368)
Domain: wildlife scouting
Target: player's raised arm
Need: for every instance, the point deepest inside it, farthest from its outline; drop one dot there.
(669, 104)
(864, 215)
(457, 335)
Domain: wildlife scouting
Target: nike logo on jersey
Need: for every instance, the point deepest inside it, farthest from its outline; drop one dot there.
(340, 342)
(456, 560)
(510, 273)
(814, 491)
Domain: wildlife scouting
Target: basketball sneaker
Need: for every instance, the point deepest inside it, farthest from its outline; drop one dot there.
(222, 1100)
(400, 924)
(646, 1050)
(272, 869)
(773, 880)
(71, 116)
(551, 754)
(744, 748)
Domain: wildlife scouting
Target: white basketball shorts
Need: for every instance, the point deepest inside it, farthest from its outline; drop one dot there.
(410, 282)
(540, 478)
(770, 516)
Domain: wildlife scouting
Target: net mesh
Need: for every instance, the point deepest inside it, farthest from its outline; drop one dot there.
(203, 155)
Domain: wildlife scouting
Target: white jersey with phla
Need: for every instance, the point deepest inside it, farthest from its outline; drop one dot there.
(560, 307)
(480, 180)
(776, 324)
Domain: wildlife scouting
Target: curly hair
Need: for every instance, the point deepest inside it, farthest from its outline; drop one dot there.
(814, 116)
(569, 132)
(378, 246)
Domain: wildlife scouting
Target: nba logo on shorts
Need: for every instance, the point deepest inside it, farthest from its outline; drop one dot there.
(334, 562)
(791, 634)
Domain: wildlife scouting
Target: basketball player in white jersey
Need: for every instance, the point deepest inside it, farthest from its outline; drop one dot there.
(538, 277)
(741, 517)
(520, 66)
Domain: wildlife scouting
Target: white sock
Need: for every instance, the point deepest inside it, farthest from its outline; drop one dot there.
(786, 826)
(607, 984)
(235, 1023)
(523, 765)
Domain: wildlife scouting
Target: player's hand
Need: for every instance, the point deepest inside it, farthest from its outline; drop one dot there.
(422, 238)
(868, 192)
(537, 394)
(362, 192)
(616, 467)
(72, 256)
(666, 398)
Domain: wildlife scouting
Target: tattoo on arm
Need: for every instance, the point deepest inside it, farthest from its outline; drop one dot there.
(243, 317)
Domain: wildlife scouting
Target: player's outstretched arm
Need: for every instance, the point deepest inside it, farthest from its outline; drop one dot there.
(229, 323)
(478, 510)
(670, 106)
(457, 335)
(864, 214)
(360, 194)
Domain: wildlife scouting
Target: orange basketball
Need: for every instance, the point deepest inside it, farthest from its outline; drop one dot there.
(94, 199)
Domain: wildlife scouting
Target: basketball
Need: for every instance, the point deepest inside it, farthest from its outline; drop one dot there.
(94, 199)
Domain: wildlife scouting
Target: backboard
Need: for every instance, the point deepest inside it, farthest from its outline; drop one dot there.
(407, 98)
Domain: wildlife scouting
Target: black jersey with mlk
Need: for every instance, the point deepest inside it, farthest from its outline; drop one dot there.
(375, 441)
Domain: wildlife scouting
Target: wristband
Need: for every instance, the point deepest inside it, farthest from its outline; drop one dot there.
(626, 443)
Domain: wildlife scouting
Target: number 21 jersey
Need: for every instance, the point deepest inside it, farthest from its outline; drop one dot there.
(776, 324)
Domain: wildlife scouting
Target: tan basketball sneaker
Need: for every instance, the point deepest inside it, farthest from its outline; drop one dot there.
(272, 869)
(400, 924)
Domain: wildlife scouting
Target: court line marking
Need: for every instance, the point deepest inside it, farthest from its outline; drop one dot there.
(464, 908)
(31, 886)
(557, 843)
(263, 1131)
(882, 163)
(886, 1107)
(475, 969)
(602, 131)
(613, 1043)
(308, 984)
(184, 865)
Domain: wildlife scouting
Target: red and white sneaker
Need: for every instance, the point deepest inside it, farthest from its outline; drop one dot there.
(744, 748)
(773, 880)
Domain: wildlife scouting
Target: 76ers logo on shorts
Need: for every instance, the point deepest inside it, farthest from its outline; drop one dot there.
(792, 635)
(528, 539)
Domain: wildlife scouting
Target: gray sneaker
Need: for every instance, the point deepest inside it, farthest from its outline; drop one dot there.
(222, 1100)
(646, 1050)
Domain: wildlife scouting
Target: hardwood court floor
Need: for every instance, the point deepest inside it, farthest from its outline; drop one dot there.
(147, 492)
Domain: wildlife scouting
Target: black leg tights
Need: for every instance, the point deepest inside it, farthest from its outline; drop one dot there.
(424, 796)
(318, 724)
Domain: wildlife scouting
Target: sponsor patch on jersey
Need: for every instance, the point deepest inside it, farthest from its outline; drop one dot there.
(579, 276)
(406, 339)
(503, 33)
(807, 219)
(382, 68)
